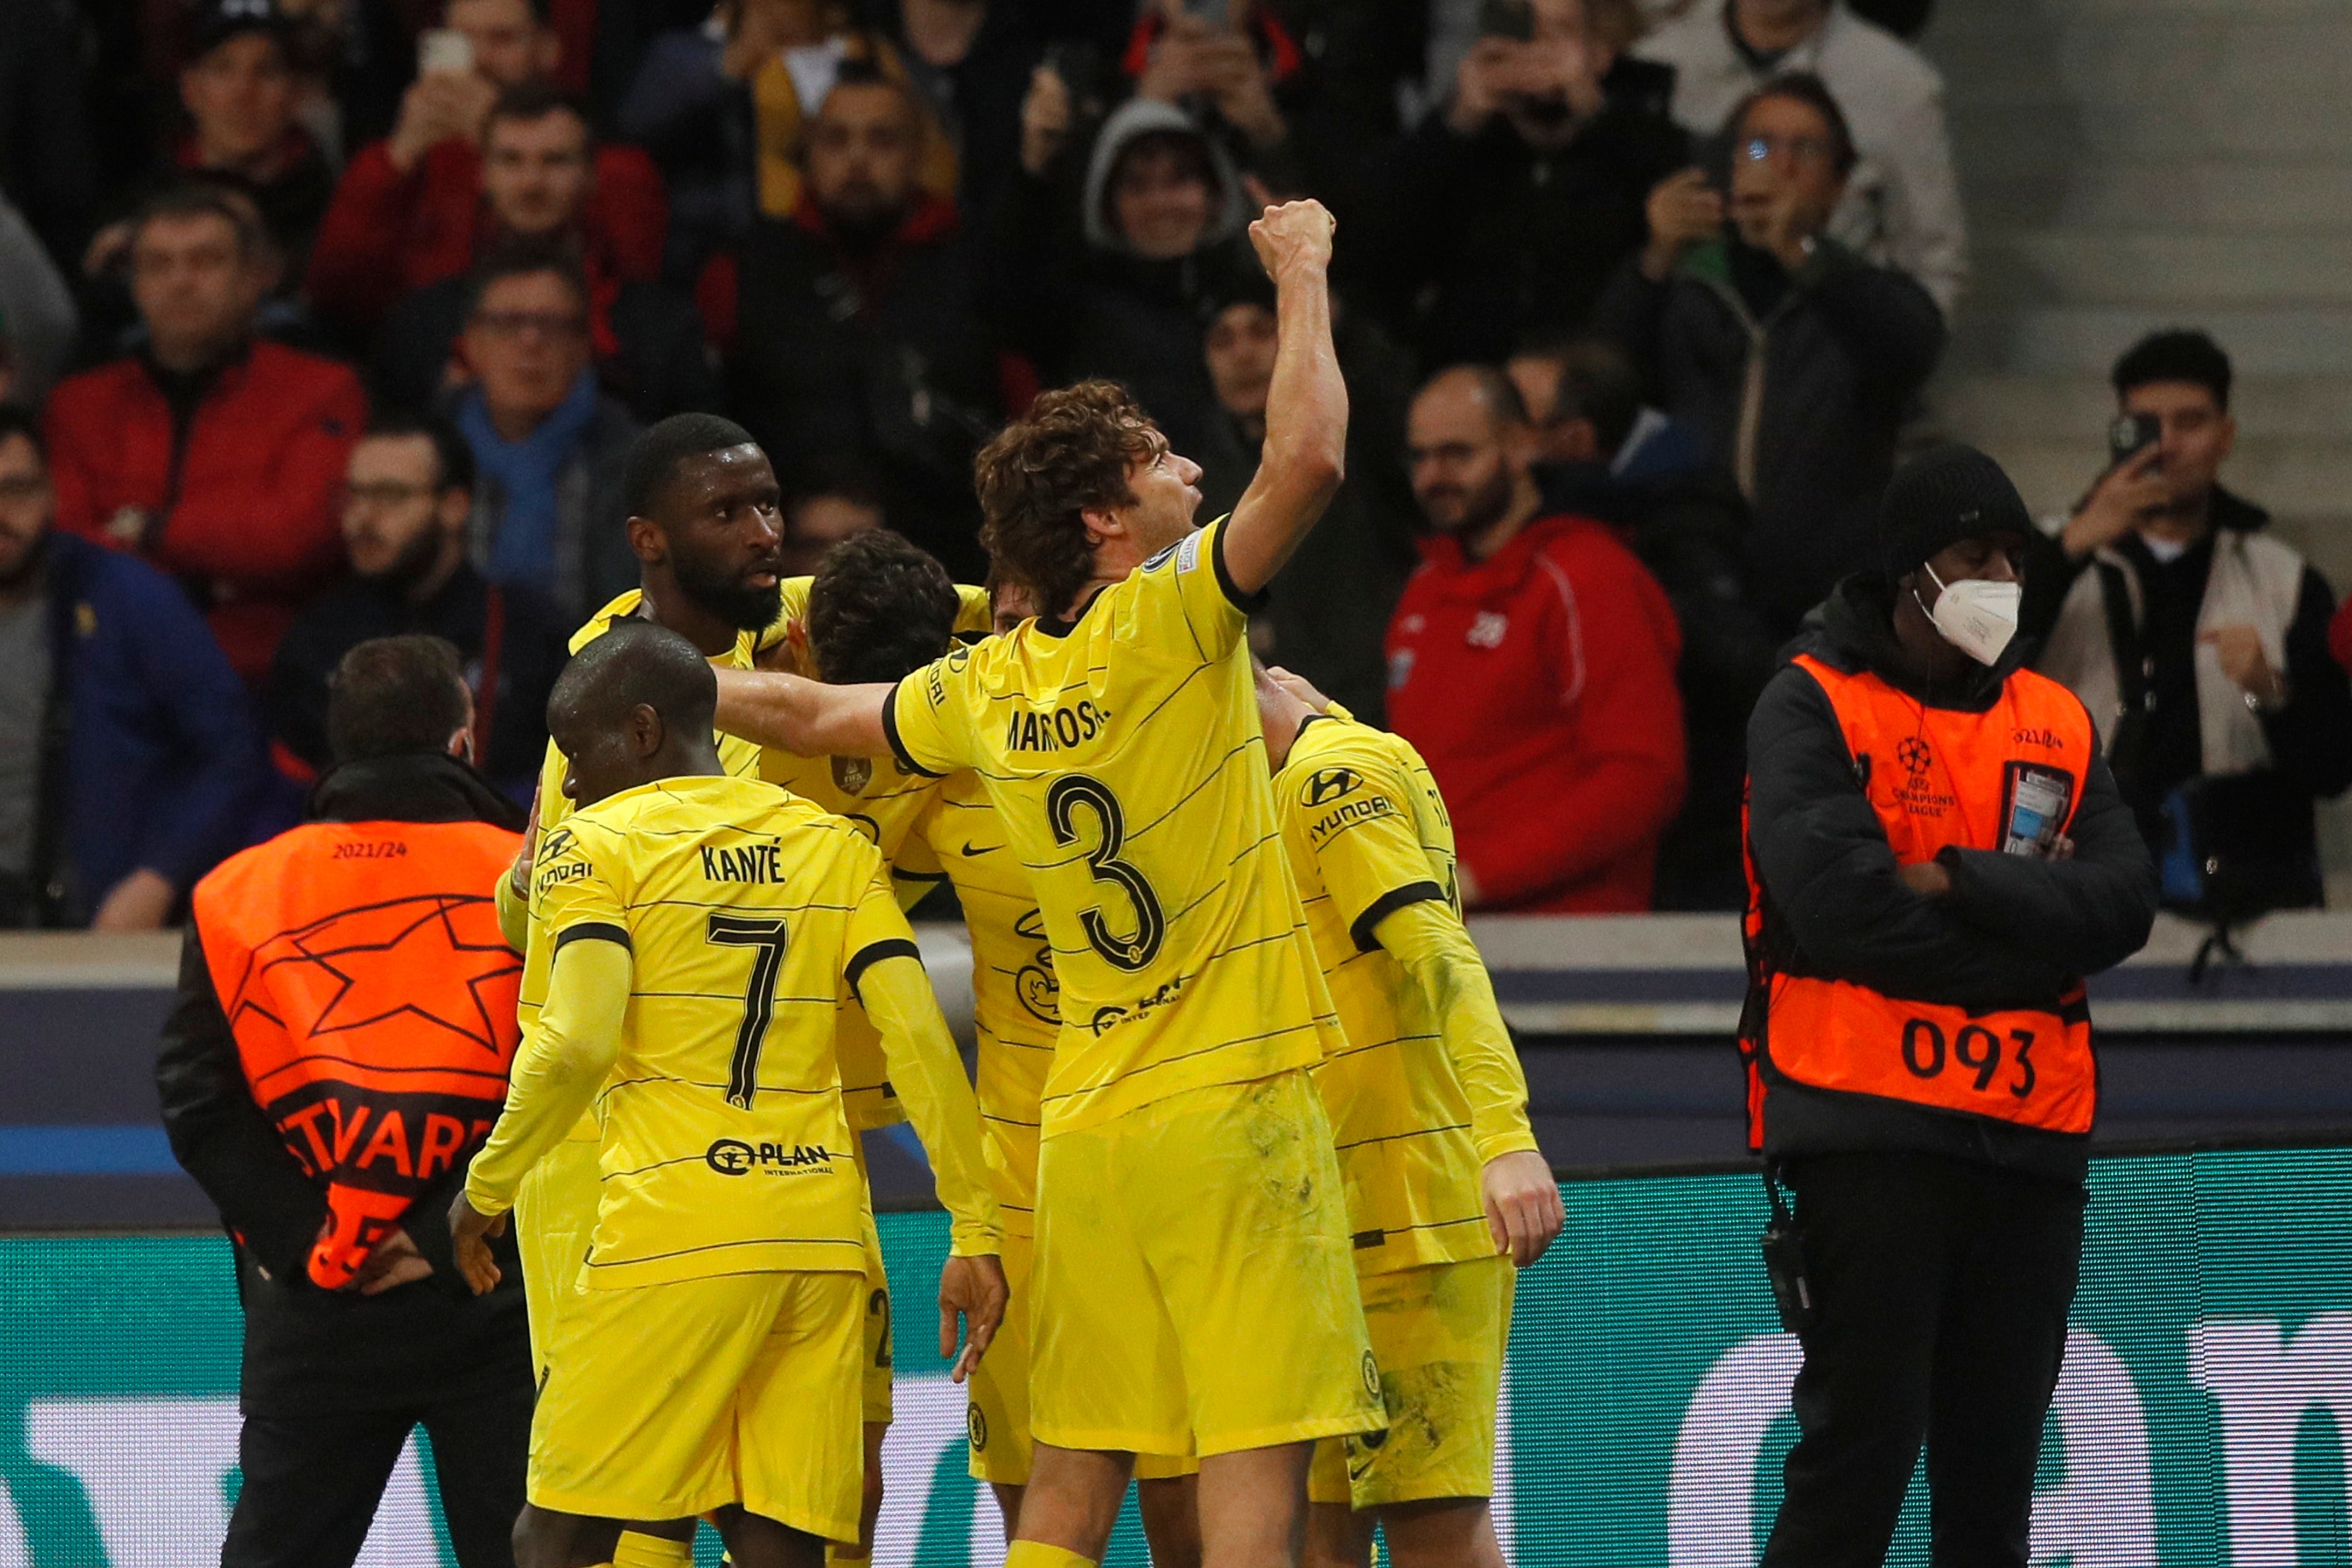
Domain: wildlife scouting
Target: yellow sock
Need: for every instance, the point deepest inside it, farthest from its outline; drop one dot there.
(1037, 1555)
(834, 1551)
(636, 1551)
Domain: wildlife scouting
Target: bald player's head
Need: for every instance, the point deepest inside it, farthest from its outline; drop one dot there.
(633, 706)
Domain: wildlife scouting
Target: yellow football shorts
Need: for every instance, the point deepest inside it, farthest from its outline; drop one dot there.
(1193, 1289)
(997, 1416)
(684, 1396)
(554, 1216)
(1438, 1333)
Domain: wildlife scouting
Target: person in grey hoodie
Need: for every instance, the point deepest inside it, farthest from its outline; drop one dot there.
(1116, 274)
(37, 320)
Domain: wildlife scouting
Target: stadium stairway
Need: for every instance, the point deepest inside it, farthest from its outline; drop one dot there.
(2129, 164)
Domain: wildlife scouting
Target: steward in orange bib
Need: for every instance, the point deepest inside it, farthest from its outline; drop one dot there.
(340, 1050)
(1936, 857)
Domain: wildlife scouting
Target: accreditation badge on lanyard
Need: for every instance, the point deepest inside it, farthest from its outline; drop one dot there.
(2034, 812)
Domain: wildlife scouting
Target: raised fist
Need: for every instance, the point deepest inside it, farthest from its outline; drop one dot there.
(1295, 234)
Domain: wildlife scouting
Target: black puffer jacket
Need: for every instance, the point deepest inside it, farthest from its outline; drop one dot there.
(871, 362)
(1468, 245)
(1797, 384)
(2014, 931)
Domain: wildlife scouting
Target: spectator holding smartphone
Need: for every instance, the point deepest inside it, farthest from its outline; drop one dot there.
(1792, 357)
(2199, 642)
(1901, 205)
(1503, 213)
(409, 210)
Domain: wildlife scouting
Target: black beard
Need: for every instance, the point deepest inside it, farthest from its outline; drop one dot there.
(1483, 507)
(744, 609)
(413, 565)
(862, 229)
(29, 567)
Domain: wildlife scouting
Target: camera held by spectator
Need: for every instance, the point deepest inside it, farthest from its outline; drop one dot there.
(1792, 359)
(2199, 642)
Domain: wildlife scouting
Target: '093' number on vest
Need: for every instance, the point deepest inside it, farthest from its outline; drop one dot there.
(1975, 1049)
(1062, 801)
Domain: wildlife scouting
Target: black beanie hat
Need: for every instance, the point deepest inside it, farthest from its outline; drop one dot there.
(1946, 494)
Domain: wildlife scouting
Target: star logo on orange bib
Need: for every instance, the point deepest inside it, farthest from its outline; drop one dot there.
(437, 958)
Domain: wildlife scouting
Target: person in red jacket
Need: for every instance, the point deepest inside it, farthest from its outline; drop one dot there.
(1531, 661)
(213, 454)
(409, 210)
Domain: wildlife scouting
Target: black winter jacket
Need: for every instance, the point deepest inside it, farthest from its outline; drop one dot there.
(876, 362)
(1468, 245)
(2014, 930)
(308, 1350)
(1844, 350)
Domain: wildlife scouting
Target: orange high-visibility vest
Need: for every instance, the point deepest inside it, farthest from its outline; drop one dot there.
(2008, 779)
(372, 1000)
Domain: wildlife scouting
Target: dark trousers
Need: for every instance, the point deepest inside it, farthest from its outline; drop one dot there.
(312, 1482)
(1940, 1292)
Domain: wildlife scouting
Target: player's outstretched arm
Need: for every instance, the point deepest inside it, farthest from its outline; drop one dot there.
(807, 718)
(929, 1076)
(1304, 454)
(562, 1062)
(1523, 1207)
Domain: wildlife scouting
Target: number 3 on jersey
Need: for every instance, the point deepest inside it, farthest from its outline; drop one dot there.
(1062, 802)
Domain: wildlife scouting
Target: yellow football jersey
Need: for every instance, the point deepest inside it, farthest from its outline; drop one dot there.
(749, 916)
(1367, 835)
(1016, 1001)
(883, 799)
(1124, 760)
(740, 758)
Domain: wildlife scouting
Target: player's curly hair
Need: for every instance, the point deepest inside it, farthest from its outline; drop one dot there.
(1069, 452)
(879, 609)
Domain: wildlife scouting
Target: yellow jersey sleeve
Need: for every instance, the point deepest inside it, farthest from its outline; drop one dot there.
(562, 1062)
(573, 1038)
(932, 716)
(884, 968)
(1368, 839)
(571, 895)
(1188, 593)
(1357, 824)
(1434, 947)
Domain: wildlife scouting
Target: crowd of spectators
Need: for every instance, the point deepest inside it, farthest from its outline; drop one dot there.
(336, 317)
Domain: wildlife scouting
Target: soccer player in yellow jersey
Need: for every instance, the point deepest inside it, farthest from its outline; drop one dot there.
(829, 627)
(1446, 1193)
(706, 931)
(1194, 1283)
(706, 528)
(878, 618)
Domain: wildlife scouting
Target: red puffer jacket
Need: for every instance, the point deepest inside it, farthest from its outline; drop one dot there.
(387, 233)
(1539, 685)
(239, 505)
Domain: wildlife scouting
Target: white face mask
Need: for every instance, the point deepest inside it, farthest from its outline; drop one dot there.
(1975, 615)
